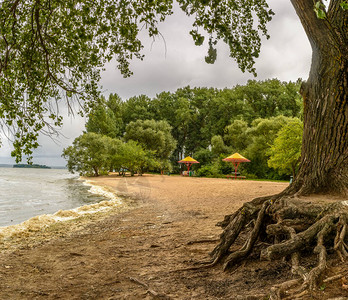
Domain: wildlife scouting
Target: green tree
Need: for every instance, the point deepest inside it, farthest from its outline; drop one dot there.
(285, 152)
(164, 165)
(324, 158)
(198, 114)
(163, 107)
(114, 162)
(54, 50)
(183, 114)
(134, 158)
(95, 154)
(236, 135)
(204, 156)
(152, 135)
(137, 108)
(262, 134)
(115, 104)
(270, 98)
(226, 106)
(102, 120)
(89, 154)
(218, 146)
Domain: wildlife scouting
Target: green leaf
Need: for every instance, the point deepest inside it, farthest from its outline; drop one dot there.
(199, 40)
(344, 5)
(212, 53)
(319, 11)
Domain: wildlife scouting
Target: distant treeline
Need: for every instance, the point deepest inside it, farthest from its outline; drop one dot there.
(32, 166)
(208, 124)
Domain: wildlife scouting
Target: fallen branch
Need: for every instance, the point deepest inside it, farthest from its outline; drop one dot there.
(149, 291)
(202, 241)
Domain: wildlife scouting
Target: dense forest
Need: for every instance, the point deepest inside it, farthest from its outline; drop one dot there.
(261, 120)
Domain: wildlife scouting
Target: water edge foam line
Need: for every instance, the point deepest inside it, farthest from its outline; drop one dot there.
(39, 222)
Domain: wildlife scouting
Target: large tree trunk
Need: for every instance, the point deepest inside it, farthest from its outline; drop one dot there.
(284, 225)
(324, 159)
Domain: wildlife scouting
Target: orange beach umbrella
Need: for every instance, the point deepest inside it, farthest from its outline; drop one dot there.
(236, 159)
(188, 161)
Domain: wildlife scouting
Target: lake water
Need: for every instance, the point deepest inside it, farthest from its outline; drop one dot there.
(25, 193)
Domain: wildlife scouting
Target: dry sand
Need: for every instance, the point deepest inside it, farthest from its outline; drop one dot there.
(135, 253)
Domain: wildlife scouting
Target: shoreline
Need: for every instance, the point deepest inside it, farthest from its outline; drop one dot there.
(38, 227)
(68, 214)
(38, 192)
(122, 192)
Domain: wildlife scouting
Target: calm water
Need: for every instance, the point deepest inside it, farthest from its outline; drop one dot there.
(25, 193)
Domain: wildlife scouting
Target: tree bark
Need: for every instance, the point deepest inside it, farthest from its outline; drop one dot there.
(96, 171)
(324, 157)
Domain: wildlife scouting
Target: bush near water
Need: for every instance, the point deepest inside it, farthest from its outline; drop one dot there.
(143, 134)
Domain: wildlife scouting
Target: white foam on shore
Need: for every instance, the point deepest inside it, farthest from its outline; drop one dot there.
(99, 190)
(39, 222)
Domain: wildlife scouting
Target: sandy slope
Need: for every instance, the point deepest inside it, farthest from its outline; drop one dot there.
(134, 254)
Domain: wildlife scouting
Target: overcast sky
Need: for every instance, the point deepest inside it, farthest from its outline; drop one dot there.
(177, 62)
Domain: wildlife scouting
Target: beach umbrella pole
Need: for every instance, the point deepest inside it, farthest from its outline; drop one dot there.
(236, 164)
(188, 167)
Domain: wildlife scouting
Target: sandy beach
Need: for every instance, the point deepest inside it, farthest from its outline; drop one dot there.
(137, 252)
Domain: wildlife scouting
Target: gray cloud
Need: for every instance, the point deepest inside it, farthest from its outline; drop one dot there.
(285, 56)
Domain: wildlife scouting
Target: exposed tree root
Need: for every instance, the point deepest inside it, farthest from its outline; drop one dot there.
(278, 290)
(234, 224)
(333, 278)
(247, 247)
(286, 228)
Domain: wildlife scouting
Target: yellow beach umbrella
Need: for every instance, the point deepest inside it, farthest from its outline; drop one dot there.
(188, 161)
(236, 159)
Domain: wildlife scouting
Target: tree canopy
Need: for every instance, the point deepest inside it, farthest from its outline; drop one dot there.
(152, 135)
(207, 123)
(93, 154)
(105, 119)
(90, 154)
(52, 51)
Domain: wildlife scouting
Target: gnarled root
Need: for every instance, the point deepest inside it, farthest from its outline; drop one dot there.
(234, 224)
(247, 247)
(340, 245)
(293, 226)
